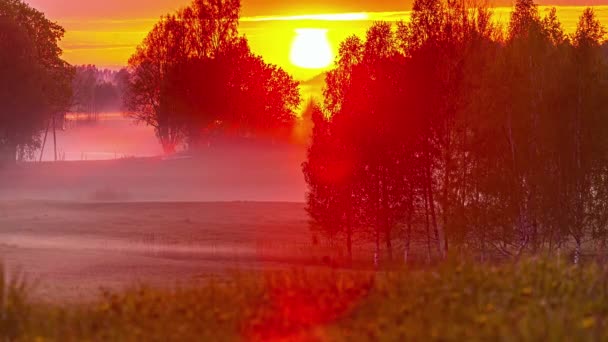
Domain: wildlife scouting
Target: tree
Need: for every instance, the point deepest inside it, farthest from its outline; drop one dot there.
(35, 83)
(585, 165)
(164, 46)
(461, 134)
(329, 175)
(21, 92)
(194, 74)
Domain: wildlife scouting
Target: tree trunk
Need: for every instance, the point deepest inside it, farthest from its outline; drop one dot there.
(55, 137)
(427, 225)
(349, 245)
(483, 246)
(349, 235)
(431, 201)
(577, 251)
(434, 219)
(378, 223)
(389, 244)
(387, 224)
(46, 134)
(408, 238)
(377, 251)
(446, 202)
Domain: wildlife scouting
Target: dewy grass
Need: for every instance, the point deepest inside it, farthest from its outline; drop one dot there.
(535, 300)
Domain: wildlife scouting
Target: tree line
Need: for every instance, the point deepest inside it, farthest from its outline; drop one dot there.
(455, 134)
(98, 90)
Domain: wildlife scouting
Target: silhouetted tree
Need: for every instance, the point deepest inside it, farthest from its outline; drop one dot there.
(453, 131)
(96, 91)
(35, 83)
(194, 74)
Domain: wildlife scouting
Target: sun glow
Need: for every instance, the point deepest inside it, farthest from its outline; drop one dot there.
(311, 49)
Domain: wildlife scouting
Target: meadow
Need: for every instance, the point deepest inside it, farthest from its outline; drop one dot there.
(110, 269)
(113, 271)
(531, 300)
(71, 249)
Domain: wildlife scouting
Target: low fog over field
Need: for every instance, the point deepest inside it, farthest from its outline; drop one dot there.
(100, 137)
(76, 226)
(257, 172)
(73, 249)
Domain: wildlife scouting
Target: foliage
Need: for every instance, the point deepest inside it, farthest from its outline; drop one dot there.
(448, 131)
(96, 90)
(533, 300)
(21, 116)
(194, 74)
(35, 83)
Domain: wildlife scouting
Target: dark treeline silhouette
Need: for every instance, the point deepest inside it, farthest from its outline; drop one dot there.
(98, 90)
(35, 83)
(194, 75)
(453, 133)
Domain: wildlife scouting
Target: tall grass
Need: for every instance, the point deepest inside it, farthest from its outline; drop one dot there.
(14, 307)
(532, 300)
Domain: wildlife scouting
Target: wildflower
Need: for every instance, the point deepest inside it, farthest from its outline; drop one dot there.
(481, 319)
(588, 322)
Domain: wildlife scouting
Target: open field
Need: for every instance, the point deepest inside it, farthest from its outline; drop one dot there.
(75, 226)
(71, 249)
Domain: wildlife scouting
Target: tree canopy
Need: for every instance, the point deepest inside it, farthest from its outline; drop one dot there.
(35, 83)
(448, 130)
(194, 74)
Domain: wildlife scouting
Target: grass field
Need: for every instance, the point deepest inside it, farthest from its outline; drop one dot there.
(71, 249)
(533, 300)
(156, 271)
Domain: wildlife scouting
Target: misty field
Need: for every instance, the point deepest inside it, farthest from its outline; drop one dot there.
(71, 249)
(533, 300)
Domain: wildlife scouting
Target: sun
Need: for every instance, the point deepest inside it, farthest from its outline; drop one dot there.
(311, 49)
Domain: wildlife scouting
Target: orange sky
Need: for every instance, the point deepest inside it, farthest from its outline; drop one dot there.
(106, 32)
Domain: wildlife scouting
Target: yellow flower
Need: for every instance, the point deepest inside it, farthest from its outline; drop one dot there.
(588, 322)
(482, 319)
(526, 291)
